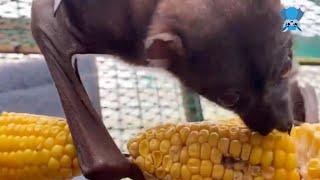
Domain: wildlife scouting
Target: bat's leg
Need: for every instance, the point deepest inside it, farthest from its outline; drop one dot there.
(99, 156)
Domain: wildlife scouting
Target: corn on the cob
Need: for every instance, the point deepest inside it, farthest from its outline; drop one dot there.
(36, 147)
(228, 150)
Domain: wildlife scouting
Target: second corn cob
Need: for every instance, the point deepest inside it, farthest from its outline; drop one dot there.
(36, 147)
(228, 151)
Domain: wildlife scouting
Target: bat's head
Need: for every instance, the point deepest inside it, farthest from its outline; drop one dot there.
(237, 63)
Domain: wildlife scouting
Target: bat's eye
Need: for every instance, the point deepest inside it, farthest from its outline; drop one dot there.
(228, 99)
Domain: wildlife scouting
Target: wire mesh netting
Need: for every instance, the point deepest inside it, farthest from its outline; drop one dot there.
(134, 98)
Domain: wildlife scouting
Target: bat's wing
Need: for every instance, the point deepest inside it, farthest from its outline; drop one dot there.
(283, 14)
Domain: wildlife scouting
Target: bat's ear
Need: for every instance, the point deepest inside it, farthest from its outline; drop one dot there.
(283, 14)
(163, 48)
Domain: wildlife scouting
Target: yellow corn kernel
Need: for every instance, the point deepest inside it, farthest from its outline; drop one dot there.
(44, 155)
(194, 165)
(174, 153)
(184, 133)
(149, 167)
(185, 173)
(246, 151)
(61, 138)
(164, 146)
(244, 135)
(65, 172)
(157, 158)
(233, 132)
(237, 175)
(228, 174)
(140, 162)
(65, 161)
(254, 170)
(196, 177)
(144, 147)
(235, 148)
(216, 156)
(268, 172)
(160, 133)
(57, 151)
(290, 147)
(166, 162)
(71, 150)
(213, 139)
(217, 171)
(192, 138)
(175, 170)
(169, 132)
(205, 125)
(160, 172)
(203, 136)
(206, 168)
(150, 133)
(255, 139)
(281, 142)
(223, 145)
(133, 149)
(53, 164)
(279, 158)
(255, 156)
(205, 151)
(154, 144)
(48, 143)
(184, 156)
(213, 128)
(223, 131)
(280, 174)
(315, 144)
(240, 166)
(175, 139)
(314, 168)
(294, 175)
(291, 161)
(194, 127)
(268, 142)
(179, 126)
(258, 178)
(194, 150)
(266, 158)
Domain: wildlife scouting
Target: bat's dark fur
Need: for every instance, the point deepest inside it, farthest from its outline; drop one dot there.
(230, 51)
